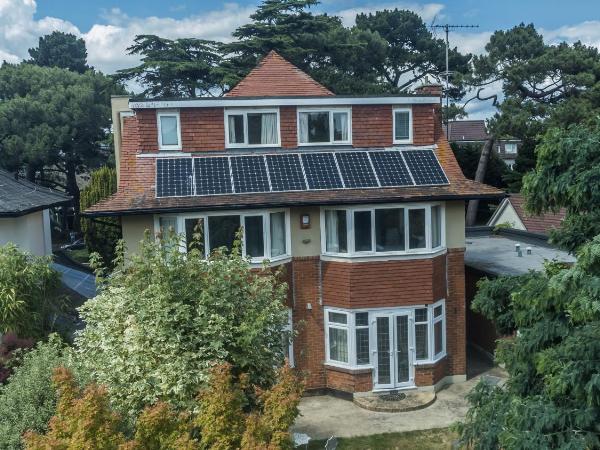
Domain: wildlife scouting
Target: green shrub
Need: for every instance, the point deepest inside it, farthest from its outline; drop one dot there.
(29, 293)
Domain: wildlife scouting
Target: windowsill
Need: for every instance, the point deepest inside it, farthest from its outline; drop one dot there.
(253, 146)
(257, 263)
(407, 142)
(316, 144)
(348, 369)
(361, 257)
(430, 363)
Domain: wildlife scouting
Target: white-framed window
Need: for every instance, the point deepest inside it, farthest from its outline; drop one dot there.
(265, 234)
(289, 345)
(403, 126)
(324, 126)
(510, 147)
(169, 130)
(252, 128)
(382, 230)
(350, 335)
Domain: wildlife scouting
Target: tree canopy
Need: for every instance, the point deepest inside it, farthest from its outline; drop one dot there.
(63, 50)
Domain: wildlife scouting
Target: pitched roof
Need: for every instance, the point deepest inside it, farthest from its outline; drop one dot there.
(274, 76)
(20, 197)
(466, 131)
(541, 224)
(127, 202)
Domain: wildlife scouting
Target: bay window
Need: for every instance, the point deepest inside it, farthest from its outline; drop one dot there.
(439, 330)
(359, 231)
(402, 126)
(169, 130)
(324, 126)
(252, 128)
(338, 337)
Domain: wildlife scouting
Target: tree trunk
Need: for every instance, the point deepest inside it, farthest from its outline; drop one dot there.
(73, 191)
(479, 176)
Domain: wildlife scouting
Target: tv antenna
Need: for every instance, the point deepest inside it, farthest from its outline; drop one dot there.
(447, 27)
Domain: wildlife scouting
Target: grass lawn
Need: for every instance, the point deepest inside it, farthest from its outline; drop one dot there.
(80, 255)
(439, 438)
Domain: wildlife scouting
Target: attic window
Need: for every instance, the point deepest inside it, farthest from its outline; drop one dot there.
(402, 126)
(169, 130)
(252, 128)
(321, 126)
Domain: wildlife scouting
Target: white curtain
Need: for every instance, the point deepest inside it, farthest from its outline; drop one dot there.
(277, 234)
(340, 126)
(232, 137)
(332, 238)
(303, 131)
(268, 132)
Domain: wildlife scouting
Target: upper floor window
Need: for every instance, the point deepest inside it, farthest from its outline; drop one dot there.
(169, 130)
(386, 230)
(321, 126)
(252, 128)
(403, 126)
(510, 147)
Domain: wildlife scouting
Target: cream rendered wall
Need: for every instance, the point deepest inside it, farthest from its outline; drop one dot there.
(305, 242)
(133, 228)
(119, 106)
(507, 215)
(455, 224)
(28, 232)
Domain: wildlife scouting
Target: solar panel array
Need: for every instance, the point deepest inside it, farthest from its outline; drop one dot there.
(216, 175)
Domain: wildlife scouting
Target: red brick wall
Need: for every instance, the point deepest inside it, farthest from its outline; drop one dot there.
(423, 124)
(384, 283)
(372, 125)
(148, 130)
(289, 126)
(137, 175)
(431, 374)
(202, 129)
(349, 381)
(456, 343)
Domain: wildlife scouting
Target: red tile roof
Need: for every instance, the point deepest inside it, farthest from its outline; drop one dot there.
(127, 202)
(541, 224)
(466, 131)
(274, 76)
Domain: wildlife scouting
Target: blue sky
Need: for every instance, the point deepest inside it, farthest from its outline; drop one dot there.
(109, 26)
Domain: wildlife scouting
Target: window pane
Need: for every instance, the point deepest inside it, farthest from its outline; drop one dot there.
(402, 130)
(262, 128)
(236, 129)
(362, 346)
(436, 226)
(421, 341)
(437, 311)
(362, 231)
(437, 338)
(421, 315)
(362, 319)
(336, 238)
(254, 236)
(168, 130)
(340, 126)
(389, 229)
(194, 234)
(317, 126)
(336, 317)
(278, 238)
(338, 345)
(416, 228)
(167, 224)
(222, 230)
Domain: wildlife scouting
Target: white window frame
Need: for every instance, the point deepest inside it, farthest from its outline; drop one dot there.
(331, 130)
(244, 112)
(506, 144)
(352, 253)
(410, 125)
(290, 329)
(266, 215)
(348, 328)
(436, 357)
(168, 112)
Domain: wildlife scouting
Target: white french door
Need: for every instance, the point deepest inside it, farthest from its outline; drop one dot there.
(393, 350)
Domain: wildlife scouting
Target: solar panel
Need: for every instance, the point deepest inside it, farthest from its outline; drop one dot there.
(249, 174)
(285, 172)
(425, 167)
(390, 168)
(212, 176)
(356, 169)
(321, 171)
(174, 177)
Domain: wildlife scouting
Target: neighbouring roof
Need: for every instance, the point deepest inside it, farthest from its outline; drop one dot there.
(274, 76)
(20, 197)
(466, 131)
(459, 187)
(540, 224)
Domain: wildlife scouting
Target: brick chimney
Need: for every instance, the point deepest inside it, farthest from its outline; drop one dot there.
(429, 89)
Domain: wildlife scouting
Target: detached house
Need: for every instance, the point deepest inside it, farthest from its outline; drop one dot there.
(360, 198)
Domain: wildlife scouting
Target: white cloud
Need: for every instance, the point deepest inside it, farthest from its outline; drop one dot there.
(428, 11)
(587, 32)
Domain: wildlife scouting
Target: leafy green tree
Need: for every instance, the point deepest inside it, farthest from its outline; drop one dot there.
(27, 400)
(567, 175)
(30, 300)
(58, 49)
(550, 399)
(101, 235)
(174, 68)
(467, 156)
(52, 122)
(164, 318)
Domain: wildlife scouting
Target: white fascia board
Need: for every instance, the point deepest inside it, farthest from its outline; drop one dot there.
(249, 102)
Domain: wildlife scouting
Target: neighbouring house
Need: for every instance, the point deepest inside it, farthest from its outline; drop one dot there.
(462, 132)
(359, 198)
(511, 212)
(25, 213)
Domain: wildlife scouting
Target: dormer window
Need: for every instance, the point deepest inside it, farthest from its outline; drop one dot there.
(169, 130)
(252, 128)
(403, 126)
(322, 126)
